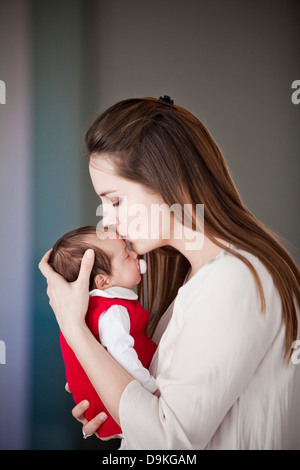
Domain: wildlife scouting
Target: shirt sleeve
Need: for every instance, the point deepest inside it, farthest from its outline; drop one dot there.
(216, 339)
(114, 335)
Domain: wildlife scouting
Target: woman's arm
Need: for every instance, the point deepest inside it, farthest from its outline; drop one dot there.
(216, 340)
(107, 376)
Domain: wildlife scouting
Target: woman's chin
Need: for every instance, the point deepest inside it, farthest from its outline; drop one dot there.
(141, 247)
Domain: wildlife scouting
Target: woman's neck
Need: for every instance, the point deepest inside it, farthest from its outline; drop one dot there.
(198, 254)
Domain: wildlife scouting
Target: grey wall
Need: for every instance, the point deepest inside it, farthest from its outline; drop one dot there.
(15, 224)
(232, 63)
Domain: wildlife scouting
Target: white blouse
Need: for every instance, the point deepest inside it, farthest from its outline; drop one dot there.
(219, 366)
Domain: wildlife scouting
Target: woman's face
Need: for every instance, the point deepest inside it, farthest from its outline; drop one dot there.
(139, 215)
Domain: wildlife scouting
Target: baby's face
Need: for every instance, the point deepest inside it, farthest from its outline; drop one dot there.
(124, 261)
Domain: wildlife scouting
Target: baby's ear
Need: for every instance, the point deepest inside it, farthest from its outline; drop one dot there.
(102, 281)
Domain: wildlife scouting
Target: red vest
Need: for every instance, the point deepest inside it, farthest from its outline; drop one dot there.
(79, 384)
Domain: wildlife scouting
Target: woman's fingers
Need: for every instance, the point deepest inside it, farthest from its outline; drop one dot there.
(44, 266)
(89, 427)
(86, 267)
(92, 426)
(79, 410)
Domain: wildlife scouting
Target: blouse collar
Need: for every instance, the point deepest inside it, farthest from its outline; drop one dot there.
(115, 292)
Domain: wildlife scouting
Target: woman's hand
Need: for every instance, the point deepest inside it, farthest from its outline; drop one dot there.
(69, 300)
(89, 427)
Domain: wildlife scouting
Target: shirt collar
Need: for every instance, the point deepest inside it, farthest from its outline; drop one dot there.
(115, 292)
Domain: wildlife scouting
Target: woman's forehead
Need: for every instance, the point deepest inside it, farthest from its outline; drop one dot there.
(104, 178)
(102, 163)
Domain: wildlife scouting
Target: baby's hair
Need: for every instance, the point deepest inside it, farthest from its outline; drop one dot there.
(66, 255)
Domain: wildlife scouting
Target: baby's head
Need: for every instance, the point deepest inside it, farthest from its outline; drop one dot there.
(115, 264)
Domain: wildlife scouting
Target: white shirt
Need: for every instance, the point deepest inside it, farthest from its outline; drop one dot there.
(219, 366)
(114, 335)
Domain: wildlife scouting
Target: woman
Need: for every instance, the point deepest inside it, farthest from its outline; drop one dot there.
(224, 312)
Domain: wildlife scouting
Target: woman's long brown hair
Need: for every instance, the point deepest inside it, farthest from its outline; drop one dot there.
(169, 151)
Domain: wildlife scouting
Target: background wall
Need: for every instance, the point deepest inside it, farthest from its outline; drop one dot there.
(231, 63)
(15, 224)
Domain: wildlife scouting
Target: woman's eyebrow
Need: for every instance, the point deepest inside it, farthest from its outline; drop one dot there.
(107, 192)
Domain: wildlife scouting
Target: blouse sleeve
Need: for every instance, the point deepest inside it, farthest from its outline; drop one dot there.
(216, 340)
(114, 335)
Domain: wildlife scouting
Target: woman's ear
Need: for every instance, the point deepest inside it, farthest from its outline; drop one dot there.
(102, 281)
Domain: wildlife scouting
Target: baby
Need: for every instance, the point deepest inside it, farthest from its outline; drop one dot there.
(114, 316)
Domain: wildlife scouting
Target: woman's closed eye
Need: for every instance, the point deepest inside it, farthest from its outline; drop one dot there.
(116, 203)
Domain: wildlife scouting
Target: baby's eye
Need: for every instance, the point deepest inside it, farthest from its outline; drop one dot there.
(117, 203)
